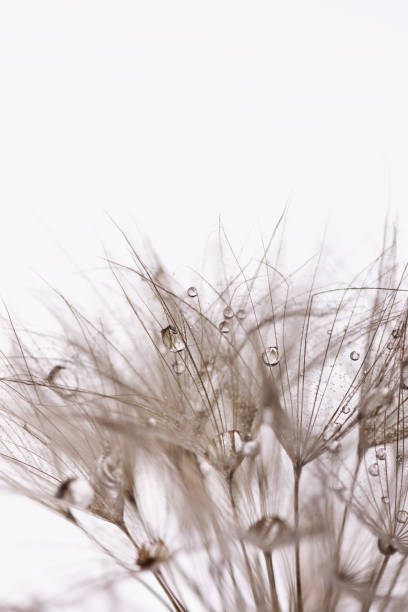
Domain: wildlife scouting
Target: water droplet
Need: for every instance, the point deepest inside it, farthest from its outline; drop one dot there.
(76, 491)
(374, 470)
(385, 499)
(266, 532)
(251, 448)
(354, 356)
(178, 367)
(333, 446)
(228, 312)
(329, 332)
(172, 339)
(402, 516)
(390, 346)
(63, 380)
(400, 458)
(270, 356)
(331, 430)
(226, 449)
(109, 471)
(346, 409)
(192, 292)
(205, 467)
(387, 545)
(381, 454)
(395, 333)
(224, 327)
(241, 314)
(152, 421)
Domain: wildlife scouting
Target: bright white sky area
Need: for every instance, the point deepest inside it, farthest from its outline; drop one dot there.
(168, 114)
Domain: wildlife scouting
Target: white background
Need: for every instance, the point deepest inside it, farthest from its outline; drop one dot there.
(166, 114)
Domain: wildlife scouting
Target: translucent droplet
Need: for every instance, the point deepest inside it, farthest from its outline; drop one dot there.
(395, 333)
(354, 356)
(333, 446)
(267, 532)
(63, 380)
(172, 339)
(400, 458)
(224, 327)
(387, 545)
(241, 314)
(331, 430)
(270, 356)
(76, 491)
(251, 448)
(346, 409)
(374, 470)
(192, 292)
(152, 421)
(109, 471)
(390, 346)
(402, 516)
(226, 449)
(381, 454)
(385, 499)
(178, 367)
(228, 312)
(329, 332)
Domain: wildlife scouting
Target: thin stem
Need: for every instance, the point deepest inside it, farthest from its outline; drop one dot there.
(242, 545)
(272, 585)
(374, 586)
(297, 470)
(393, 583)
(178, 606)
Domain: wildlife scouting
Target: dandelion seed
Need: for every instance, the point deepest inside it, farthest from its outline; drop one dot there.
(402, 516)
(151, 554)
(228, 312)
(172, 339)
(354, 356)
(374, 469)
(192, 292)
(224, 327)
(270, 356)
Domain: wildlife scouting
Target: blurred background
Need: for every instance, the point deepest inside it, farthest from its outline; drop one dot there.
(168, 117)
